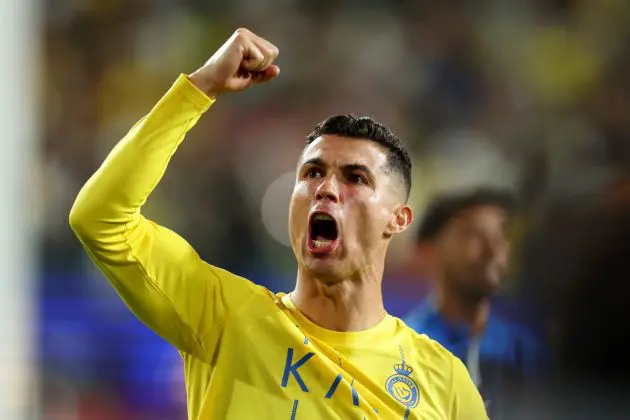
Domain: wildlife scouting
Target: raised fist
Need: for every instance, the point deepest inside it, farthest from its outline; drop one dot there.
(244, 60)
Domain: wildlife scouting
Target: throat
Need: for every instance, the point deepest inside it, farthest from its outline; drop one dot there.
(342, 307)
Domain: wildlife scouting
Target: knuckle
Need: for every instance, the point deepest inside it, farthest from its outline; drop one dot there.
(241, 34)
(271, 51)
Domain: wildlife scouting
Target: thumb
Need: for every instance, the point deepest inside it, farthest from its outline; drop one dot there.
(268, 74)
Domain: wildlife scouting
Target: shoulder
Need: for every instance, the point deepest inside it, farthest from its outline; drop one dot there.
(235, 293)
(424, 348)
(442, 375)
(228, 280)
(517, 333)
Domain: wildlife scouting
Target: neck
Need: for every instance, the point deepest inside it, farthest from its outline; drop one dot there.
(459, 308)
(347, 305)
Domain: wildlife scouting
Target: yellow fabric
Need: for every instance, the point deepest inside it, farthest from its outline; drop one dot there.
(248, 353)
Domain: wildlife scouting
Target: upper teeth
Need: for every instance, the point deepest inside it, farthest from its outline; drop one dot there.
(323, 217)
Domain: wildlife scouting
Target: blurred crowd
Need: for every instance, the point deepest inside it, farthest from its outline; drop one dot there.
(533, 96)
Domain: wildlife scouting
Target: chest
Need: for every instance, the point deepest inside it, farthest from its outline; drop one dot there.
(273, 359)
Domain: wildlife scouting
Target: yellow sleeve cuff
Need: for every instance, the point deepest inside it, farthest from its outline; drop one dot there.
(184, 87)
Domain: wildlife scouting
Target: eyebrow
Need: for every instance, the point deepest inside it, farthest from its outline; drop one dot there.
(349, 167)
(314, 162)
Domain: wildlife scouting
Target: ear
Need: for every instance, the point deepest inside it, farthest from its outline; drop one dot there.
(400, 221)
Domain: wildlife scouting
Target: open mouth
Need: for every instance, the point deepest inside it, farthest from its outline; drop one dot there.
(323, 233)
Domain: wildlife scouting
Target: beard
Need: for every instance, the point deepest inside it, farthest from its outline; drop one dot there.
(471, 288)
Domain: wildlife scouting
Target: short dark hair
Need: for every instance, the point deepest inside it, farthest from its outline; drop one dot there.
(366, 128)
(445, 207)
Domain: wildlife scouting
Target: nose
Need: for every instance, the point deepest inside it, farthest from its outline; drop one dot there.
(328, 190)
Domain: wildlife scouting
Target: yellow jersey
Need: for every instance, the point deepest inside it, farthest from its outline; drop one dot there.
(248, 353)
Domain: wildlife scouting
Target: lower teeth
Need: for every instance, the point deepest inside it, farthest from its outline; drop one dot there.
(321, 244)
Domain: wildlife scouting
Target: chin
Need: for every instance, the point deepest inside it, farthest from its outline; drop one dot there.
(490, 281)
(327, 271)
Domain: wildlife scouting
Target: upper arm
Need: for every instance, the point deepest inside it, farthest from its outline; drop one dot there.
(466, 402)
(165, 283)
(155, 271)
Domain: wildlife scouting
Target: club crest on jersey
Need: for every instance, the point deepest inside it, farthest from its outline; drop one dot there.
(402, 387)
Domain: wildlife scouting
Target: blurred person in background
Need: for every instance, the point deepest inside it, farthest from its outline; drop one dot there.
(328, 348)
(463, 242)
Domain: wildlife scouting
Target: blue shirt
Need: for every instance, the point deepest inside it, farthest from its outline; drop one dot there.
(502, 361)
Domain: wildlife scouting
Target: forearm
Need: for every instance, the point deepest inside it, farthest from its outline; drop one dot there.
(113, 196)
(155, 271)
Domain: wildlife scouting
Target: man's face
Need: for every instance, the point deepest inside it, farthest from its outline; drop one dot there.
(344, 207)
(473, 250)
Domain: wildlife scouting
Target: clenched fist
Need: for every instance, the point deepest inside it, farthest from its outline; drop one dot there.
(244, 60)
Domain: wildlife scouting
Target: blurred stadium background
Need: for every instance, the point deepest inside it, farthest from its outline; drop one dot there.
(532, 95)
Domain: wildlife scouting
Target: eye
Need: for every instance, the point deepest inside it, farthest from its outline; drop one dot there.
(312, 173)
(357, 179)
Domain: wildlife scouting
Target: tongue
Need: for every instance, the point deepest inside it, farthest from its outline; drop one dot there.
(322, 238)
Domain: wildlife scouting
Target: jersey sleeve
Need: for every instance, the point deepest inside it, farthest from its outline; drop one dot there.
(156, 272)
(466, 402)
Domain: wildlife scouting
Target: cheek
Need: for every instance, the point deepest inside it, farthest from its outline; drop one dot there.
(460, 252)
(472, 251)
(298, 207)
(367, 218)
(504, 255)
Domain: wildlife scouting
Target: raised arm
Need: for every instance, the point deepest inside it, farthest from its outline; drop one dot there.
(155, 271)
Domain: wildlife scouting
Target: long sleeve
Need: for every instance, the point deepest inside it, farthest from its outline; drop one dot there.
(157, 273)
